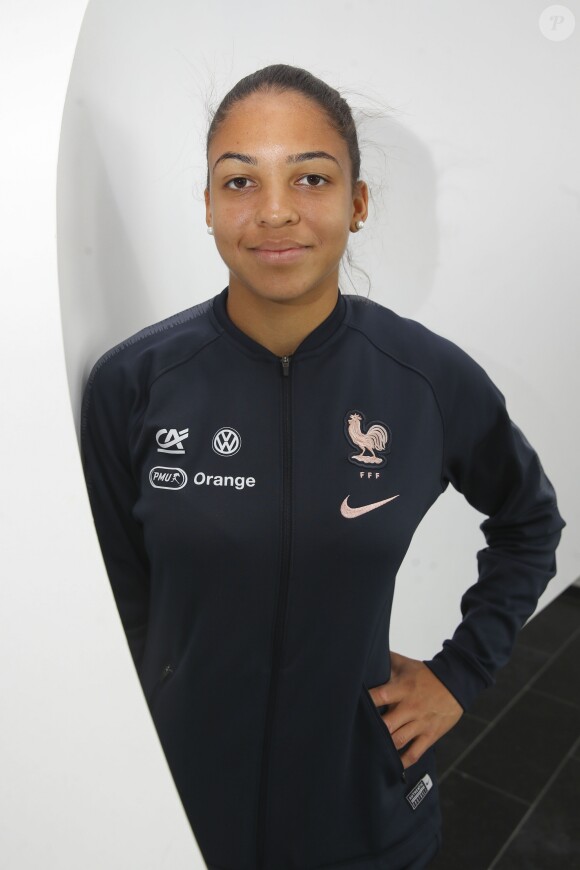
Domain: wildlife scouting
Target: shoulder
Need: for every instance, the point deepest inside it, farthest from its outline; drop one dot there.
(163, 342)
(130, 366)
(442, 363)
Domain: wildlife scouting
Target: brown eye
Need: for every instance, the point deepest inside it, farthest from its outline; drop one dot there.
(315, 178)
(239, 178)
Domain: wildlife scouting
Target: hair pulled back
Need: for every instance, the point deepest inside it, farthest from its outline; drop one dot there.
(281, 77)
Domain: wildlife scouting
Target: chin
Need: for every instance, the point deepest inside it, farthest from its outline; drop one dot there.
(280, 289)
(282, 293)
(276, 290)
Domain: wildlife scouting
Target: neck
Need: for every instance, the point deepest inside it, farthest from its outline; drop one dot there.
(279, 325)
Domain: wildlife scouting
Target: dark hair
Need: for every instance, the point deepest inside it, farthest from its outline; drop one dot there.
(281, 77)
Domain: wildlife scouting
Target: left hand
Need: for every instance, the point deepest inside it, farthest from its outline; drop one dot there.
(421, 708)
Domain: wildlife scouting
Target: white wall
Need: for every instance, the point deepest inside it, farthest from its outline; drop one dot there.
(475, 234)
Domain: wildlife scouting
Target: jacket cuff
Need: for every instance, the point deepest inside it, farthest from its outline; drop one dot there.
(458, 674)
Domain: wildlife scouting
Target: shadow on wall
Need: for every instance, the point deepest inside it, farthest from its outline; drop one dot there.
(400, 249)
(108, 287)
(103, 290)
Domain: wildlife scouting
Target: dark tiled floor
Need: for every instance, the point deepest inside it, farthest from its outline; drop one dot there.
(509, 771)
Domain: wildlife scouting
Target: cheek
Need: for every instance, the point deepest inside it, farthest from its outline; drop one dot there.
(233, 224)
(330, 221)
(235, 219)
(332, 232)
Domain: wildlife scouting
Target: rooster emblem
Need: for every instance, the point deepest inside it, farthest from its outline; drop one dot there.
(376, 439)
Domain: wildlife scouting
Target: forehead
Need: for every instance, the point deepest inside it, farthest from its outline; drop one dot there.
(287, 122)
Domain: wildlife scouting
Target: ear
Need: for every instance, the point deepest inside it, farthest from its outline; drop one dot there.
(360, 201)
(207, 207)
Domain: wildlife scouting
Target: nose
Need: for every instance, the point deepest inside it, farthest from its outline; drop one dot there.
(275, 206)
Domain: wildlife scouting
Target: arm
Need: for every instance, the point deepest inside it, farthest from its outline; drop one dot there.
(489, 460)
(112, 493)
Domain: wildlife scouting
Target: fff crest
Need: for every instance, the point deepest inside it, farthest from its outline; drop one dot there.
(371, 440)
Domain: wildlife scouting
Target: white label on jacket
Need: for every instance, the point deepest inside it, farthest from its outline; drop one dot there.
(419, 791)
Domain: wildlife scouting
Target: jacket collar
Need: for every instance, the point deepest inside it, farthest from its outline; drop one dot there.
(314, 341)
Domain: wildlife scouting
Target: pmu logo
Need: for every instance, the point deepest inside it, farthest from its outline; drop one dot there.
(162, 477)
(169, 440)
(226, 441)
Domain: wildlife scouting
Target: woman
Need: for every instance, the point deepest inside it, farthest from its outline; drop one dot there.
(257, 466)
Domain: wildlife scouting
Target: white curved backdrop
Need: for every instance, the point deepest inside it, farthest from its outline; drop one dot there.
(473, 230)
(84, 782)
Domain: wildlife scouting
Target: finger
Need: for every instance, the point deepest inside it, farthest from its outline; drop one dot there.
(409, 731)
(402, 724)
(415, 750)
(387, 693)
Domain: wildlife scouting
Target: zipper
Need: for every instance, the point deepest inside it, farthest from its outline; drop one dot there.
(281, 606)
(167, 670)
(378, 711)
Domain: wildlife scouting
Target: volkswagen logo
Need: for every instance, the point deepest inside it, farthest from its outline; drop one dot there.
(226, 441)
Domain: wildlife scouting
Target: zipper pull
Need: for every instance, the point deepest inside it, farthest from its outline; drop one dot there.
(285, 360)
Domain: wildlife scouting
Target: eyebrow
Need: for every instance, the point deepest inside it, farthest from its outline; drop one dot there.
(292, 158)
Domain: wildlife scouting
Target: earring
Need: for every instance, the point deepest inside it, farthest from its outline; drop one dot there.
(360, 225)
(210, 230)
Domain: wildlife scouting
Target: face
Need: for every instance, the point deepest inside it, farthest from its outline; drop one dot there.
(261, 199)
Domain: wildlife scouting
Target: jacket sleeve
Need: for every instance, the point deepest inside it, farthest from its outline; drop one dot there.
(112, 494)
(489, 460)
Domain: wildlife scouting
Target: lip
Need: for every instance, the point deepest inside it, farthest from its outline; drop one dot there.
(279, 244)
(289, 255)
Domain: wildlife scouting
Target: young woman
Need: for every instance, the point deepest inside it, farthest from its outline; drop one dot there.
(257, 466)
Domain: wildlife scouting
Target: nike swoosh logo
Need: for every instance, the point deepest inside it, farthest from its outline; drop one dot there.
(349, 512)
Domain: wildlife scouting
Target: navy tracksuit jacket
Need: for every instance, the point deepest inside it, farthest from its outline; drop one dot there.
(253, 512)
